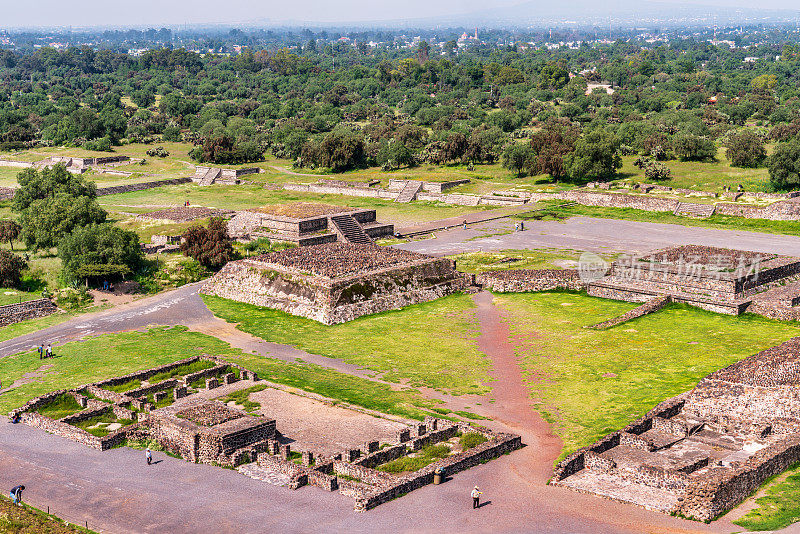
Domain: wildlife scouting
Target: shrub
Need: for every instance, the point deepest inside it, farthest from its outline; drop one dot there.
(158, 152)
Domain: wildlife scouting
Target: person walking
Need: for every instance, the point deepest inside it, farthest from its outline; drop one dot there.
(40, 348)
(149, 456)
(476, 498)
(16, 494)
(49, 351)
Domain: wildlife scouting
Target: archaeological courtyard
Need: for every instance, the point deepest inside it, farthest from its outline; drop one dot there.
(371, 370)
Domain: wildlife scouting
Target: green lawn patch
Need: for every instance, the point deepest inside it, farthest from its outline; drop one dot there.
(242, 398)
(130, 385)
(430, 344)
(60, 407)
(478, 262)
(26, 519)
(779, 507)
(98, 358)
(471, 439)
(98, 425)
(594, 382)
(426, 456)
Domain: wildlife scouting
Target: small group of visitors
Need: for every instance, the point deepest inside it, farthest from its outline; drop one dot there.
(45, 352)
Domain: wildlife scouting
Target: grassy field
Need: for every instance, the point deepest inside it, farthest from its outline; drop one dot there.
(96, 358)
(430, 344)
(722, 222)
(778, 507)
(478, 262)
(593, 382)
(246, 196)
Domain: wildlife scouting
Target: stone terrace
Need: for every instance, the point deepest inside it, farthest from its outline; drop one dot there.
(335, 260)
(185, 213)
(302, 210)
(337, 282)
(715, 279)
(308, 224)
(701, 453)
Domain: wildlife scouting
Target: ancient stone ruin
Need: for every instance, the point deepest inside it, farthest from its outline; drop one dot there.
(354, 472)
(337, 282)
(715, 279)
(309, 224)
(139, 406)
(171, 404)
(215, 175)
(703, 452)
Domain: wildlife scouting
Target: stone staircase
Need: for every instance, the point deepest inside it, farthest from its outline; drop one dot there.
(350, 230)
(210, 176)
(409, 192)
(697, 211)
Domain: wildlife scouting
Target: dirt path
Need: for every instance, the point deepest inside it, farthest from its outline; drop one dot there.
(528, 469)
(512, 404)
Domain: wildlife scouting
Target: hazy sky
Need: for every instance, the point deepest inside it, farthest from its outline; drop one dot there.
(97, 12)
(170, 12)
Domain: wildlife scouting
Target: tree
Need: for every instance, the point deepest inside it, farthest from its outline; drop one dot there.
(595, 156)
(339, 150)
(11, 267)
(746, 149)
(553, 76)
(394, 154)
(784, 166)
(46, 221)
(49, 182)
(210, 246)
(9, 231)
(690, 147)
(99, 251)
(555, 140)
(518, 157)
(656, 171)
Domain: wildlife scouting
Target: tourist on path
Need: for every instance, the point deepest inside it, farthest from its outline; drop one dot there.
(16, 494)
(149, 456)
(476, 498)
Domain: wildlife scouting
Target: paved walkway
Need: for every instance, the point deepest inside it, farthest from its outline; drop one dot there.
(597, 235)
(471, 218)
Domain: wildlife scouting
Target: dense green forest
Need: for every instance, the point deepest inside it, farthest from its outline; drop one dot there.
(340, 106)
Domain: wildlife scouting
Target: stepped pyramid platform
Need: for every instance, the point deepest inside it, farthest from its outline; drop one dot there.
(337, 282)
(716, 279)
(308, 224)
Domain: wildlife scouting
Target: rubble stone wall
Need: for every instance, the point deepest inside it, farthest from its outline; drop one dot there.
(14, 313)
(530, 280)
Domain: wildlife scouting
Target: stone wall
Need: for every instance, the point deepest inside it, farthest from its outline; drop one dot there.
(724, 488)
(499, 445)
(332, 302)
(14, 313)
(118, 189)
(577, 460)
(340, 190)
(530, 280)
(652, 305)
